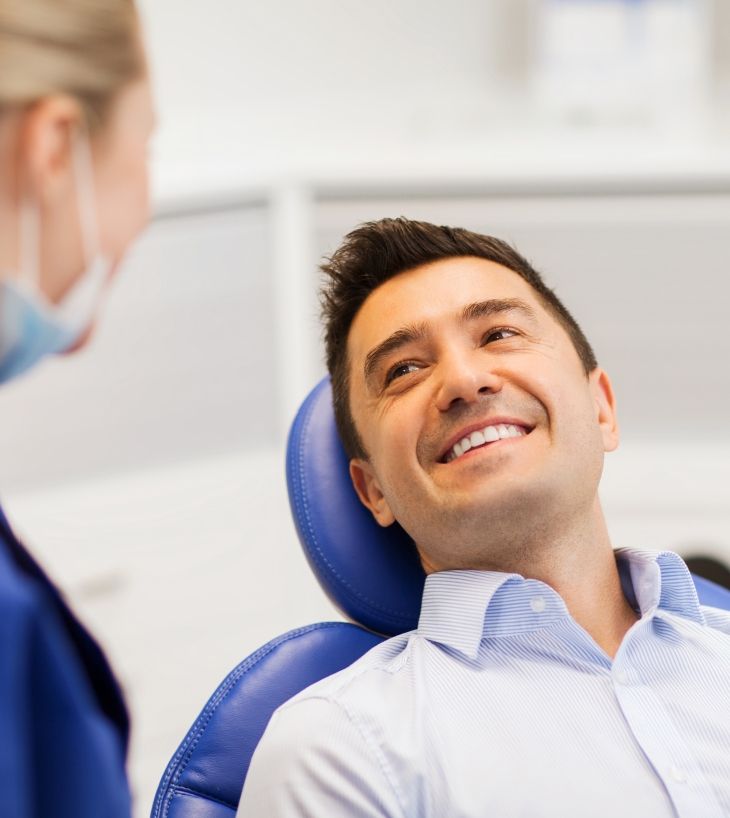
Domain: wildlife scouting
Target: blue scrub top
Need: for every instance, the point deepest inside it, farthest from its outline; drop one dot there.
(64, 727)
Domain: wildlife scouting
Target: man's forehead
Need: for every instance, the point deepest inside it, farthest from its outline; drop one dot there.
(441, 289)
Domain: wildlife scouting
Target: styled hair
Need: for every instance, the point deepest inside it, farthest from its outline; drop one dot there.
(88, 49)
(377, 251)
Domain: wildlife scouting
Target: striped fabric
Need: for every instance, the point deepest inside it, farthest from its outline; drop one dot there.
(499, 704)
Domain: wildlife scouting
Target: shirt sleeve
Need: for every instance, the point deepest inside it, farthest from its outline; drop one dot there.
(312, 761)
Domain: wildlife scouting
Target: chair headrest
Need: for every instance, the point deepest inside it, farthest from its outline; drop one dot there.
(372, 574)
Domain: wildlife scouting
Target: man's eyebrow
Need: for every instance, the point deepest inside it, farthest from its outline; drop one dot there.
(398, 339)
(493, 306)
(417, 332)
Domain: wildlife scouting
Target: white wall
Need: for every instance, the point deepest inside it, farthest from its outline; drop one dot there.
(289, 74)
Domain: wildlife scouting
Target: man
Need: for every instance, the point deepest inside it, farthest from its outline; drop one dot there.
(549, 675)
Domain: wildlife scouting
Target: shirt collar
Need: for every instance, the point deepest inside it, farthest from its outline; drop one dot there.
(459, 608)
(454, 604)
(658, 580)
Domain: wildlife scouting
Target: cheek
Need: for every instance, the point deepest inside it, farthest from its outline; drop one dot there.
(586, 440)
(392, 446)
(124, 208)
(390, 429)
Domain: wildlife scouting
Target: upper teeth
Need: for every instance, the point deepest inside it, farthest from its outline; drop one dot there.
(486, 435)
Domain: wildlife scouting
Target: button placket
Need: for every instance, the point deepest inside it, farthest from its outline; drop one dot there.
(678, 774)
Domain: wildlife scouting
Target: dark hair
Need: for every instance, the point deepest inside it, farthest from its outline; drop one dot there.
(377, 251)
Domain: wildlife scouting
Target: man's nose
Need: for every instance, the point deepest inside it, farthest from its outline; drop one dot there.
(464, 378)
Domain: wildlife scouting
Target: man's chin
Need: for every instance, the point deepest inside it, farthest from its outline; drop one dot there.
(471, 507)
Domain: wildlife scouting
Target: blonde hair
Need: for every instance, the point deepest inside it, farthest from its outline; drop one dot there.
(89, 49)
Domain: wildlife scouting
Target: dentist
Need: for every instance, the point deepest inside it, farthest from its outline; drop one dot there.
(75, 118)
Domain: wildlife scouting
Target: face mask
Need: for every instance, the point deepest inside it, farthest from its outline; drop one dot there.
(30, 326)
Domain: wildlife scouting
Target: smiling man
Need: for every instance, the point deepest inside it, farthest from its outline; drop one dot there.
(549, 674)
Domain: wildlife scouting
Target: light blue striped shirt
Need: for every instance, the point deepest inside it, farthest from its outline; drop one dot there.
(499, 704)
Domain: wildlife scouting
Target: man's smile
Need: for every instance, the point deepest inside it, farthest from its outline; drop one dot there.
(482, 435)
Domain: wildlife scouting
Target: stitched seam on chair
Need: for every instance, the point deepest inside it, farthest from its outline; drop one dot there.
(185, 751)
(318, 555)
(189, 791)
(182, 757)
(225, 688)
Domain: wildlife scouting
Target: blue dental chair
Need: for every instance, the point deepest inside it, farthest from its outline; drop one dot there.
(373, 576)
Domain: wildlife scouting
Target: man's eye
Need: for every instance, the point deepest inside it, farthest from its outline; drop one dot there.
(499, 334)
(399, 370)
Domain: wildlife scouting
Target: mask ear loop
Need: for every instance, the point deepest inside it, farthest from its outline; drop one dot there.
(29, 217)
(81, 303)
(30, 243)
(86, 197)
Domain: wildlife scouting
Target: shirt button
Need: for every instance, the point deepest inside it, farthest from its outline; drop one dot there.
(537, 604)
(622, 677)
(678, 774)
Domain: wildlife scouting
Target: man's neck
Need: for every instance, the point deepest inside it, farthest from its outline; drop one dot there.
(590, 585)
(578, 562)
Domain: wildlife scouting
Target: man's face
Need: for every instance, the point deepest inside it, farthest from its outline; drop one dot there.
(446, 358)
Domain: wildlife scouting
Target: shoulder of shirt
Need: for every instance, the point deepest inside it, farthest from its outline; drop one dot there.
(384, 660)
(28, 615)
(19, 594)
(26, 620)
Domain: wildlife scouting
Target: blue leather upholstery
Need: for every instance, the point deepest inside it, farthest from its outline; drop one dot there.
(206, 774)
(711, 594)
(371, 574)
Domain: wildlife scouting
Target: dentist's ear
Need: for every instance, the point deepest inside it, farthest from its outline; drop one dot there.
(368, 490)
(46, 145)
(605, 401)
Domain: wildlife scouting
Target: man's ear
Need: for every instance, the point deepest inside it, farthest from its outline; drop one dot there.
(602, 391)
(368, 490)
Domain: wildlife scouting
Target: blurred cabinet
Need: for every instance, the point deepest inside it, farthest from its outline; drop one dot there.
(180, 367)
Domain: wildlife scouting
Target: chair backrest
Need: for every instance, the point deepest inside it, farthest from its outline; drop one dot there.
(371, 574)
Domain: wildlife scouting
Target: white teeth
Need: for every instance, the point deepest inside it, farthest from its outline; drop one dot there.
(477, 439)
(489, 434)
